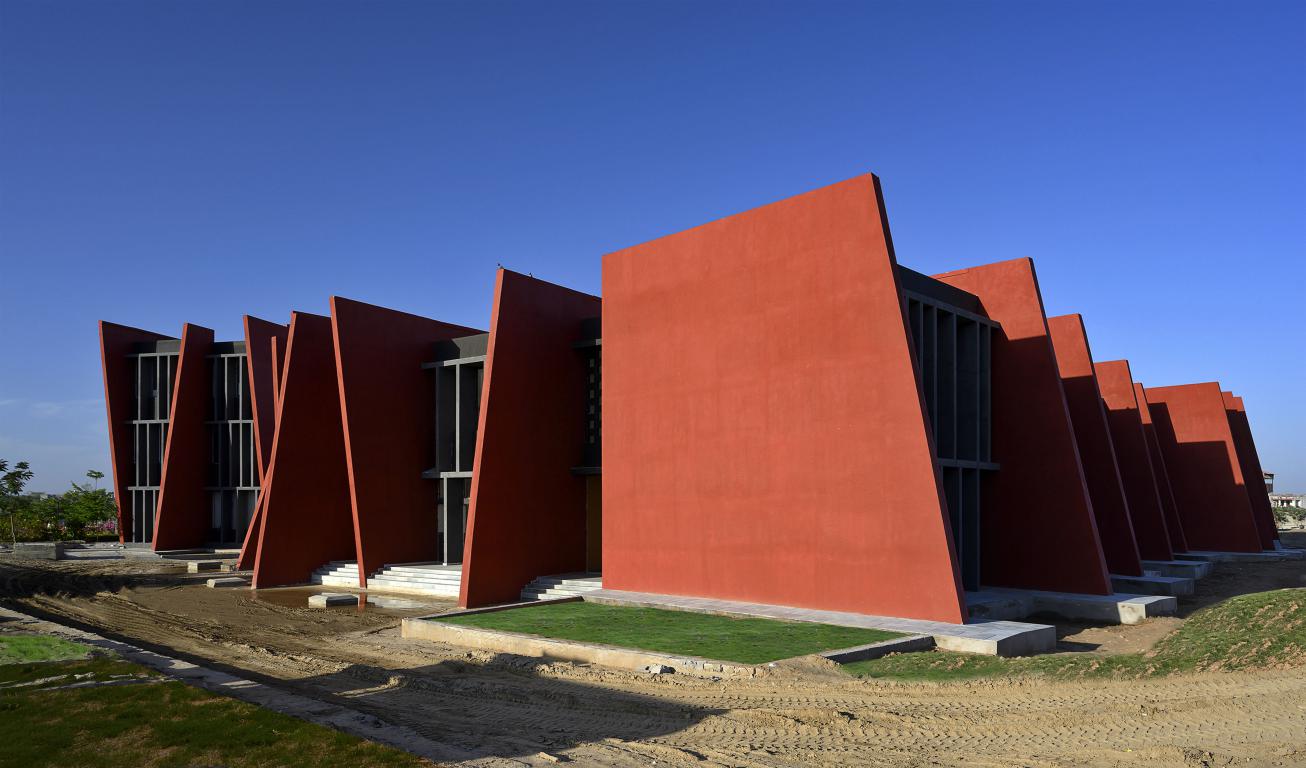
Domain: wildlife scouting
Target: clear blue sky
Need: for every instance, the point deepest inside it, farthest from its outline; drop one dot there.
(171, 161)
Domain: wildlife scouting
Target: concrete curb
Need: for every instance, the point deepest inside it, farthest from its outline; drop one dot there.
(907, 644)
(519, 644)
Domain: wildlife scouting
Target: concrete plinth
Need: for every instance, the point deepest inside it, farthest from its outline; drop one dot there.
(1265, 556)
(1152, 584)
(330, 599)
(225, 582)
(1192, 569)
(1113, 609)
(40, 550)
(202, 566)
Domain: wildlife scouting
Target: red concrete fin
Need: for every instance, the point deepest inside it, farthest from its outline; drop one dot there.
(1193, 431)
(182, 520)
(1173, 520)
(1250, 464)
(305, 519)
(116, 343)
(389, 427)
(259, 352)
(528, 509)
(1097, 454)
(1116, 383)
(764, 434)
(1038, 527)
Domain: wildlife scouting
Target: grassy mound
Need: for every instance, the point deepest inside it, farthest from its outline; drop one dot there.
(1266, 630)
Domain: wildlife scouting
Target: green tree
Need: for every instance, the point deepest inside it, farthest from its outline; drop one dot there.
(84, 507)
(12, 482)
(95, 475)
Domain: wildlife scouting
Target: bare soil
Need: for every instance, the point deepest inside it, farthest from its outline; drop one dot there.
(494, 710)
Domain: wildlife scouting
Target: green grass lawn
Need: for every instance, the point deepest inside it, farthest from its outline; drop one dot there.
(157, 723)
(18, 649)
(747, 641)
(1258, 631)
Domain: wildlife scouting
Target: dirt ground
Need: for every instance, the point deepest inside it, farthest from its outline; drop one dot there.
(493, 710)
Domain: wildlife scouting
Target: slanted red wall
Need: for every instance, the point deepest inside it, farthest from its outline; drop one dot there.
(1038, 529)
(1250, 464)
(1173, 521)
(183, 519)
(764, 434)
(1097, 455)
(1116, 383)
(116, 342)
(527, 515)
(1193, 431)
(389, 428)
(261, 347)
(306, 518)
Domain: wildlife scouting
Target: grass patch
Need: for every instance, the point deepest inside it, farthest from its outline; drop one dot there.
(160, 723)
(747, 641)
(20, 649)
(1266, 630)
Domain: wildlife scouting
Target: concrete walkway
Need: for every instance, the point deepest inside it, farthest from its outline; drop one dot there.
(994, 638)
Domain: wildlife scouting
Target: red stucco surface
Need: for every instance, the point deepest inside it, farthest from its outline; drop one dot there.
(116, 342)
(764, 435)
(1097, 454)
(1173, 521)
(306, 517)
(183, 517)
(389, 424)
(1250, 464)
(527, 515)
(1192, 429)
(261, 355)
(1038, 528)
(1116, 383)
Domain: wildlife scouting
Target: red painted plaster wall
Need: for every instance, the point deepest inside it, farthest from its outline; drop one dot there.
(1116, 383)
(1173, 520)
(306, 518)
(261, 355)
(1193, 431)
(389, 425)
(116, 342)
(1250, 464)
(183, 518)
(1097, 454)
(527, 515)
(1038, 529)
(764, 435)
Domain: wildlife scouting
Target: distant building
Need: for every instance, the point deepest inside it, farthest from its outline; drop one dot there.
(1297, 500)
(1269, 482)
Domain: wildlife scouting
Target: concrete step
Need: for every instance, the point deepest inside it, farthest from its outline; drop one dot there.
(1193, 569)
(561, 585)
(1152, 584)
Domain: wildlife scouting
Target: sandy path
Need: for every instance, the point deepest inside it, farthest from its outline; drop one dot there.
(492, 710)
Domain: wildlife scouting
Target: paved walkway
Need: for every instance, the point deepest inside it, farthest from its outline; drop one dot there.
(999, 638)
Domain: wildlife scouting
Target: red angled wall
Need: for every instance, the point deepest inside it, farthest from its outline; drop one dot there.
(1250, 464)
(1038, 529)
(1173, 521)
(183, 519)
(261, 347)
(116, 342)
(389, 428)
(1116, 383)
(1097, 455)
(764, 434)
(1193, 431)
(527, 515)
(306, 518)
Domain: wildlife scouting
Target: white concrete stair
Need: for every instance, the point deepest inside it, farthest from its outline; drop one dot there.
(562, 585)
(433, 579)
